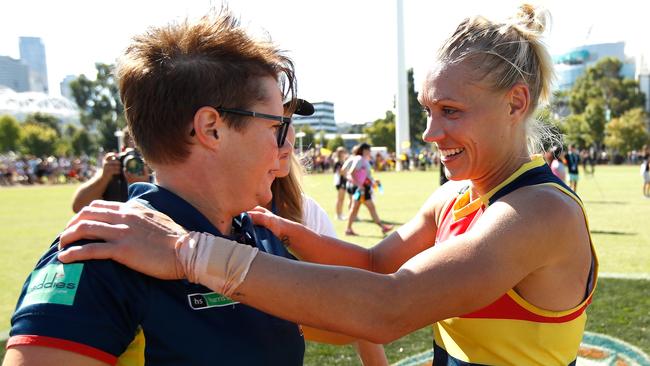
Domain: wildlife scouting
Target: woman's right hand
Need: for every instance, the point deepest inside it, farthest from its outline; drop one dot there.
(133, 235)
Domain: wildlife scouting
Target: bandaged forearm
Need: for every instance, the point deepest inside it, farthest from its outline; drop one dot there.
(217, 263)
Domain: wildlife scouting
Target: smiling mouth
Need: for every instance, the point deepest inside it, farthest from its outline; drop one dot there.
(447, 153)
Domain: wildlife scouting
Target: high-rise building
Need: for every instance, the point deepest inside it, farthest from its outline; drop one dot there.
(66, 92)
(570, 65)
(32, 54)
(321, 120)
(14, 74)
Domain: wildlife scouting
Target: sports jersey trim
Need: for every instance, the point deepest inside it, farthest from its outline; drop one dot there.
(36, 340)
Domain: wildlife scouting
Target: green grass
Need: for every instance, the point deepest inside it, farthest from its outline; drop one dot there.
(30, 217)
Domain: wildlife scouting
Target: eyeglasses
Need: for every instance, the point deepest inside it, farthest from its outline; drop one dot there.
(282, 130)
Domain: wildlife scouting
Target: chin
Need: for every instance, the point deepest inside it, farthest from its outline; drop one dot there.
(455, 175)
(264, 198)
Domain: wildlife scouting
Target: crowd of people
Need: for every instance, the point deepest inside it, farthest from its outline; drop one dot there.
(28, 169)
(382, 161)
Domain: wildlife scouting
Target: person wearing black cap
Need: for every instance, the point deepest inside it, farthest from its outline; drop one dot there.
(290, 202)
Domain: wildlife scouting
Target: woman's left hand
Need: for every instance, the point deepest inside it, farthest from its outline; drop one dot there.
(133, 235)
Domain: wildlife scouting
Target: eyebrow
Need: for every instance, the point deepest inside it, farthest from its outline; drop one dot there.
(435, 101)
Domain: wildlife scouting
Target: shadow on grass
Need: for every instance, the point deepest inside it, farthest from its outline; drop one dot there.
(608, 232)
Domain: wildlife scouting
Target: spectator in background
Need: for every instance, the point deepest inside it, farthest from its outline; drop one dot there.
(291, 203)
(112, 181)
(573, 162)
(360, 175)
(340, 182)
(557, 165)
(645, 172)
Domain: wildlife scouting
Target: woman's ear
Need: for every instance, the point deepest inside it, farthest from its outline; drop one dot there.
(519, 101)
(206, 124)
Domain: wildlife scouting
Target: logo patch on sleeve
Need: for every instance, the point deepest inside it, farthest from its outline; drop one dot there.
(53, 284)
(209, 300)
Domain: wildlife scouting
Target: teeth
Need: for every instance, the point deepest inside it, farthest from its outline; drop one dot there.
(451, 152)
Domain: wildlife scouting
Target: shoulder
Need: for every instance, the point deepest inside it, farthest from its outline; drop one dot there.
(435, 205)
(315, 217)
(78, 294)
(541, 213)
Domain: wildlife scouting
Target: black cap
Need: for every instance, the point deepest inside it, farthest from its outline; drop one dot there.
(303, 107)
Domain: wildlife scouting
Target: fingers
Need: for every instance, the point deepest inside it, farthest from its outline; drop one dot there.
(258, 217)
(97, 214)
(88, 251)
(98, 206)
(259, 209)
(110, 156)
(86, 229)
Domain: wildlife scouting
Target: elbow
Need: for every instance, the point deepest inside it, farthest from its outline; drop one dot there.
(388, 318)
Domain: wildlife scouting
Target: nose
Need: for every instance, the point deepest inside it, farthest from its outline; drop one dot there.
(434, 132)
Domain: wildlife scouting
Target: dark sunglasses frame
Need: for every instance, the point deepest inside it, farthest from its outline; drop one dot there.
(282, 131)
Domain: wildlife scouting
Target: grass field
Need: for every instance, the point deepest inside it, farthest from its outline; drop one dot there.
(30, 218)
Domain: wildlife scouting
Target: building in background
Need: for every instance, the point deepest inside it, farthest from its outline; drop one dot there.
(32, 54)
(14, 74)
(66, 91)
(570, 65)
(321, 121)
(20, 105)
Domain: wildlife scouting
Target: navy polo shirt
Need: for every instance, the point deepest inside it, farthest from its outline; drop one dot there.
(100, 308)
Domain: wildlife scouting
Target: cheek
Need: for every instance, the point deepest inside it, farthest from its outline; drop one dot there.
(285, 166)
(291, 135)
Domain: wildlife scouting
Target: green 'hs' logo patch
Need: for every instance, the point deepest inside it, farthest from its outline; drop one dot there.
(53, 284)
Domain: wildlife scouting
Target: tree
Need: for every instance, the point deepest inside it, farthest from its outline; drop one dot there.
(604, 81)
(82, 143)
(627, 132)
(37, 139)
(595, 117)
(601, 94)
(100, 104)
(308, 139)
(577, 131)
(9, 133)
(45, 120)
(417, 117)
(335, 142)
(382, 131)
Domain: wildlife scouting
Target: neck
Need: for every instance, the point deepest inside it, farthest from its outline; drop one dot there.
(499, 172)
(212, 203)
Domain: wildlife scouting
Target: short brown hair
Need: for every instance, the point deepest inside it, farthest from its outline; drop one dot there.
(169, 72)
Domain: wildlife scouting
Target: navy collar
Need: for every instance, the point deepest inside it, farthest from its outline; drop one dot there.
(184, 214)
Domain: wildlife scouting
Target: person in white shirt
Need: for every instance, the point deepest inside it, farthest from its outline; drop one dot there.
(290, 202)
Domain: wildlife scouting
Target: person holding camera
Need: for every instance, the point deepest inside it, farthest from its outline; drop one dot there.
(113, 180)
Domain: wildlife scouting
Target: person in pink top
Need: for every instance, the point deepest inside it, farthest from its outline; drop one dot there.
(360, 178)
(557, 165)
